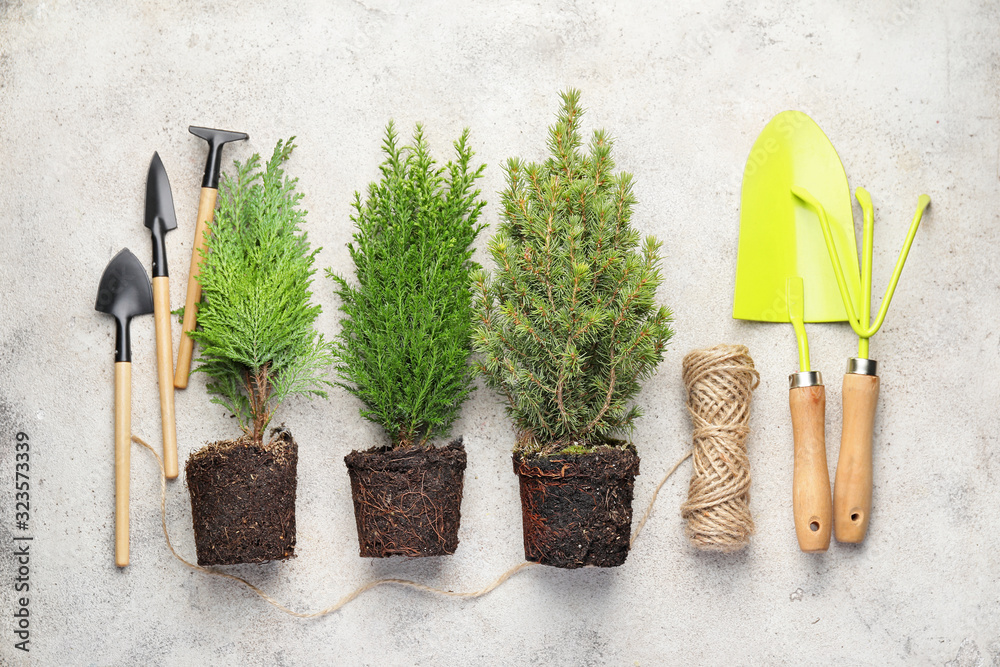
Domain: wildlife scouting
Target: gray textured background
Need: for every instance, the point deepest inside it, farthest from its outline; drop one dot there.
(907, 91)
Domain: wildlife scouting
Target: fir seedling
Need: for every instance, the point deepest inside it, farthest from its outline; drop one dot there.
(568, 325)
(406, 339)
(258, 343)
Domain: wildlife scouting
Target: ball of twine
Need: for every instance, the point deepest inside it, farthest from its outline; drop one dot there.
(720, 381)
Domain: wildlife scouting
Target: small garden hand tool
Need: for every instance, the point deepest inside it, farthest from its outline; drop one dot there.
(852, 494)
(779, 240)
(124, 292)
(811, 505)
(206, 213)
(160, 219)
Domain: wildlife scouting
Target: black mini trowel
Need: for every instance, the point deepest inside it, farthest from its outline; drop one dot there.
(160, 219)
(124, 292)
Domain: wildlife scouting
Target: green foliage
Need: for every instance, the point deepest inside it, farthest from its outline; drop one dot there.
(568, 326)
(406, 339)
(258, 343)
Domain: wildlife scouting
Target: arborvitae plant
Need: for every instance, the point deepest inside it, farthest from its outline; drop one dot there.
(568, 325)
(258, 343)
(406, 339)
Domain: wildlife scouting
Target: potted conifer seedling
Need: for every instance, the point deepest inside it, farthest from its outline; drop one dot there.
(567, 328)
(258, 347)
(405, 344)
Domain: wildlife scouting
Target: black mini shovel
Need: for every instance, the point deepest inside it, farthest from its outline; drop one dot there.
(124, 292)
(160, 219)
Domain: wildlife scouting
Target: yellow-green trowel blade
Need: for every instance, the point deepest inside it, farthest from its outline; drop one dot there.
(780, 237)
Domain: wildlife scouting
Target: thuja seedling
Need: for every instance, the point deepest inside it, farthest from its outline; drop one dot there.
(256, 322)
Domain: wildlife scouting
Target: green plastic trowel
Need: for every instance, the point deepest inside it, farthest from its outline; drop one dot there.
(784, 274)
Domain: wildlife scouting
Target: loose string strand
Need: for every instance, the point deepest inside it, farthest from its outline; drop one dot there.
(649, 507)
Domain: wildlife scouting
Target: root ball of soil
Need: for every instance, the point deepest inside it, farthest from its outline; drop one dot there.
(243, 499)
(408, 502)
(576, 509)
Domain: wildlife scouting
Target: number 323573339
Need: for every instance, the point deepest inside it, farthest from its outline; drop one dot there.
(22, 468)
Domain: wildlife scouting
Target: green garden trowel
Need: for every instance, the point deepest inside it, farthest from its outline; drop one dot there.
(780, 240)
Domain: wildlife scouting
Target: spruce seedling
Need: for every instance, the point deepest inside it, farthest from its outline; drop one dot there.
(256, 322)
(568, 326)
(406, 339)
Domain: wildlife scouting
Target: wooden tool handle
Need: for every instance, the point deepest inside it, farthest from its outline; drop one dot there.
(811, 484)
(852, 497)
(123, 434)
(165, 372)
(206, 213)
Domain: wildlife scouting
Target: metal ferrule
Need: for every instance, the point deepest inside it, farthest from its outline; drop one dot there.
(860, 366)
(806, 379)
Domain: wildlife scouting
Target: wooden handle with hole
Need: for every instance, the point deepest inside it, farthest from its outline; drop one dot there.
(206, 213)
(811, 502)
(123, 434)
(852, 495)
(165, 372)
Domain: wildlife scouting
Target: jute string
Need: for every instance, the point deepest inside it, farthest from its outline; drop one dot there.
(720, 381)
(361, 590)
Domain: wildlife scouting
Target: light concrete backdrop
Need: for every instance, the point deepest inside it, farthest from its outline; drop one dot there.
(908, 93)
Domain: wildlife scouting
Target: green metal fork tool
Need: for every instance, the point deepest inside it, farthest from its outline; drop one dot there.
(852, 494)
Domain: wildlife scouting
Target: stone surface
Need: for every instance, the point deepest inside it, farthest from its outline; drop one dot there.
(907, 91)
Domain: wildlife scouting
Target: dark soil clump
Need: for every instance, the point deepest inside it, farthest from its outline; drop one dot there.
(407, 502)
(576, 509)
(243, 499)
